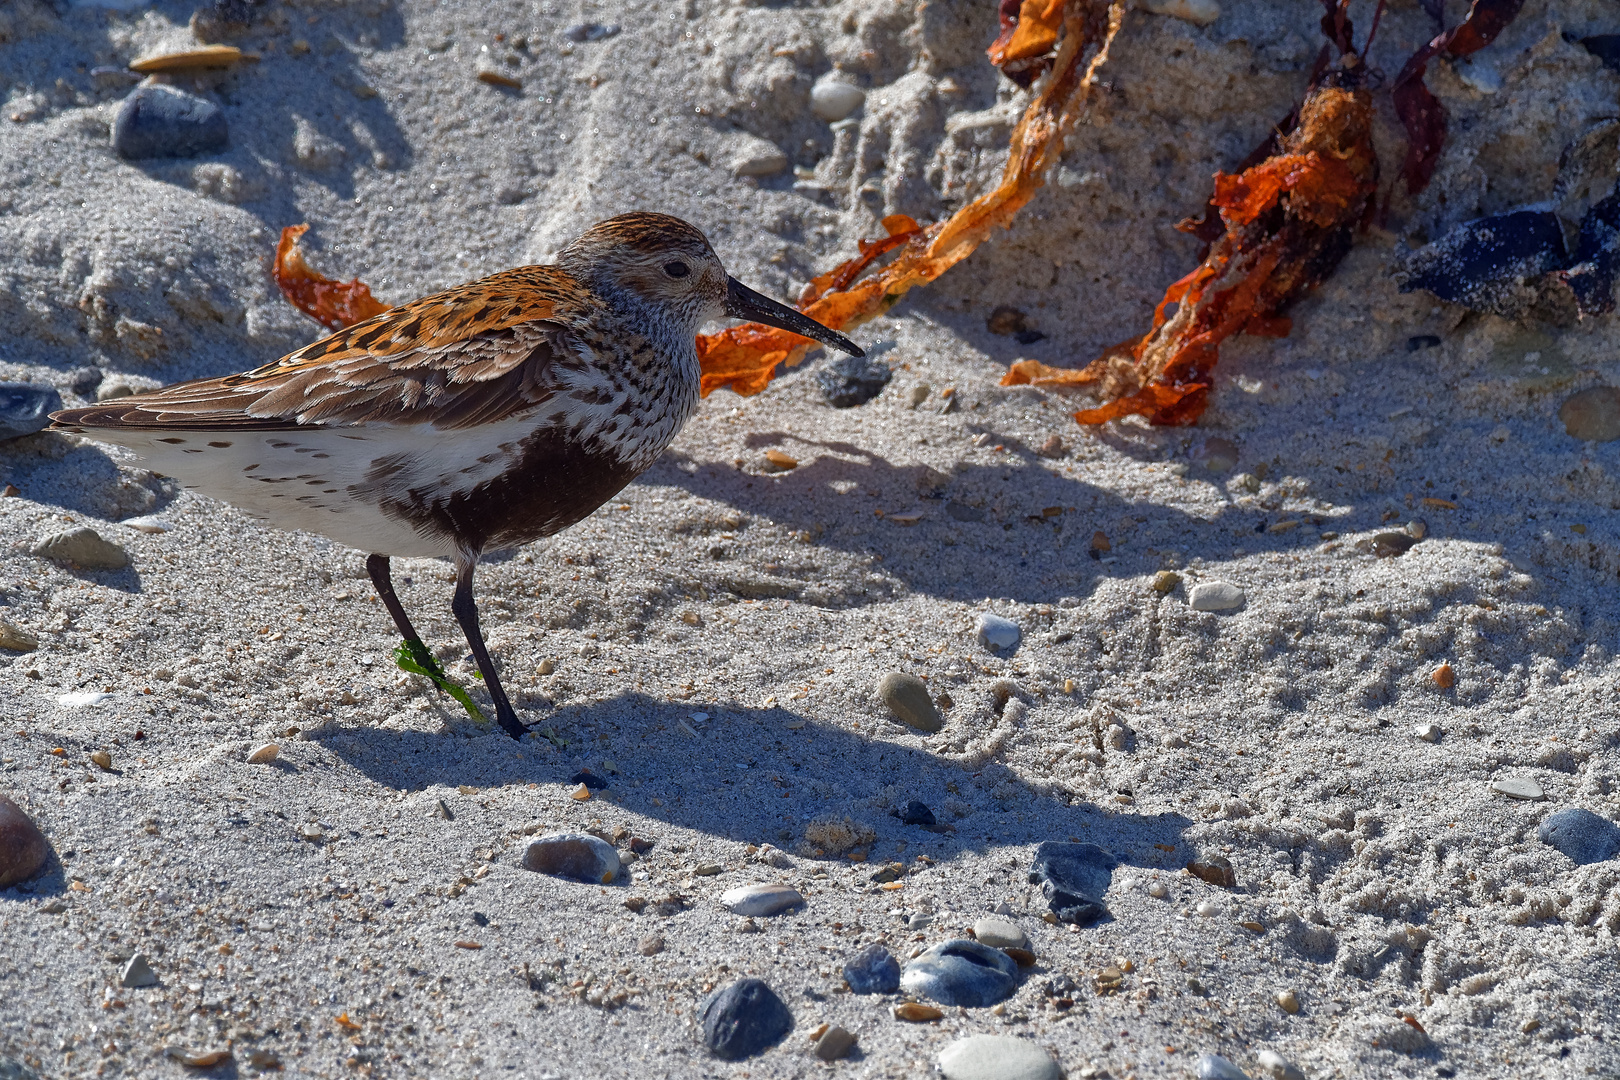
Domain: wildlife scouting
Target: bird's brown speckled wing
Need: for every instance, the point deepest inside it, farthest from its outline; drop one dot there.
(472, 355)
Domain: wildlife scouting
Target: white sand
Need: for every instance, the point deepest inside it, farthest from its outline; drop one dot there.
(1385, 875)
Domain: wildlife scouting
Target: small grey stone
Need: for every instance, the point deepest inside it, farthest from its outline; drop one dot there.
(1000, 934)
(1215, 596)
(583, 32)
(873, 971)
(25, 409)
(919, 920)
(1073, 878)
(137, 973)
(853, 380)
(23, 848)
(578, 856)
(1582, 835)
(158, 121)
(1278, 1067)
(1518, 787)
(1215, 1067)
(908, 699)
(997, 1057)
(1390, 545)
(743, 1019)
(834, 1043)
(754, 156)
(83, 548)
(916, 813)
(760, 899)
(997, 633)
(833, 99)
(961, 972)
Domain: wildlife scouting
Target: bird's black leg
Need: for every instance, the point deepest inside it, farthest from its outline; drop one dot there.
(377, 567)
(466, 612)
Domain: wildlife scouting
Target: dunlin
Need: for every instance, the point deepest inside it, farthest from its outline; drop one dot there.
(473, 420)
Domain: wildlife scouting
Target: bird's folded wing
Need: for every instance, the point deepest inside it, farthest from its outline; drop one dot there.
(473, 355)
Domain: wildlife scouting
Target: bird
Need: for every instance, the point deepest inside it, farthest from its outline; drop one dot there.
(470, 421)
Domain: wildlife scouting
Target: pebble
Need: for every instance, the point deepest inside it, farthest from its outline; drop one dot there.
(1582, 835)
(312, 833)
(853, 380)
(1215, 869)
(916, 813)
(1592, 415)
(997, 633)
(102, 759)
(1215, 1067)
(25, 409)
(919, 394)
(583, 32)
(188, 60)
(1158, 890)
(197, 1059)
(16, 639)
(651, 945)
(997, 1057)
(1390, 545)
(23, 848)
(1288, 1001)
(834, 1043)
(83, 548)
(760, 899)
(916, 1012)
(1215, 596)
(1428, 732)
(1073, 878)
(263, 754)
(1278, 1067)
(138, 973)
(1218, 454)
(149, 523)
(743, 1019)
(873, 971)
(1444, 676)
(961, 972)
(1165, 581)
(165, 122)
(1208, 909)
(908, 699)
(757, 157)
(1201, 12)
(833, 100)
(1000, 934)
(577, 856)
(1518, 787)
(580, 793)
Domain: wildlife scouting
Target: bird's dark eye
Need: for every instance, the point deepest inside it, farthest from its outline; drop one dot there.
(677, 269)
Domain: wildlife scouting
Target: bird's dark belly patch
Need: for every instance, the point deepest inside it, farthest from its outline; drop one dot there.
(553, 483)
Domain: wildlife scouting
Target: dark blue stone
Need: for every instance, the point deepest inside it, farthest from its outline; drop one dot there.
(1606, 47)
(1418, 342)
(1073, 878)
(1597, 258)
(163, 122)
(962, 972)
(873, 971)
(853, 380)
(916, 813)
(1582, 835)
(743, 1019)
(583, 32)
(25, 409)
(1489, 264)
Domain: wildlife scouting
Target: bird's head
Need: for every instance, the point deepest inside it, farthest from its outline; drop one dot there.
(661, 263)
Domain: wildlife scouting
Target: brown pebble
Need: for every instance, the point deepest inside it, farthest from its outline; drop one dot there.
(1288, 1001)
(209, 56)
(1052, 447)
(636, 903)
(780, 460)
(1024, 957)
(23, 848)
(1215, 869)
(834, 1043)
(495, 78)
(916, 1013)
(1444, 677)
(16, 639)
(197, 1059)
(1389, 545)
(651, 945)
(1592, 415)
(1099, 541)
(102, 759)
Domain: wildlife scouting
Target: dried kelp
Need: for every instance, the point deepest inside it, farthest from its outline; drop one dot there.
(1287, 223)
(745, 357)
(333, 304)
(1029, 32)
(1420, 111)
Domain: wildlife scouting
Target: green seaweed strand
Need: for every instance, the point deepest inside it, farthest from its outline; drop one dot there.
(412, 656)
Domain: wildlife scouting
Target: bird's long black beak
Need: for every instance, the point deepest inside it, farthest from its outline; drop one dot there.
(744, 303)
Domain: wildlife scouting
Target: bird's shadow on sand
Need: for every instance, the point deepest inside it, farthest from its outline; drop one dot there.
(748, 776)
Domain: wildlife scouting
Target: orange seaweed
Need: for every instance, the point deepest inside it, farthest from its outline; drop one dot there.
(333, 304)
(745, 357)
